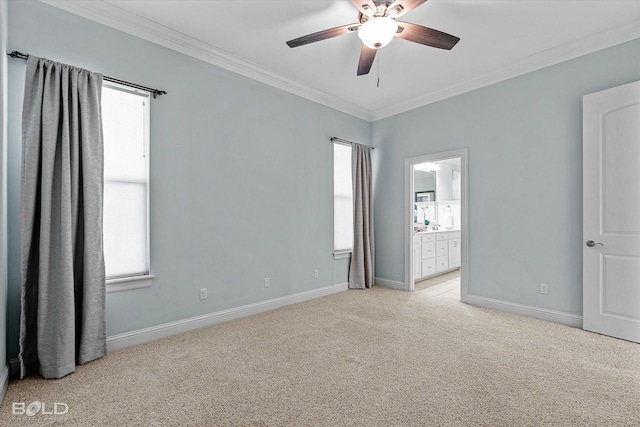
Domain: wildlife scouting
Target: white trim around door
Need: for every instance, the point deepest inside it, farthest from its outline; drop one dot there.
(409, 163)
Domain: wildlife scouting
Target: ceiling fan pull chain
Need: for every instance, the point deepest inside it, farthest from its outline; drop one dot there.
(378, 83)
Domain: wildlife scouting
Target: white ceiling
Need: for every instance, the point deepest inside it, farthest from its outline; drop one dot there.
(499, 39)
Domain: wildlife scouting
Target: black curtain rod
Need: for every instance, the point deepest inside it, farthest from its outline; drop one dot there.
(344, 141)
(154, 92)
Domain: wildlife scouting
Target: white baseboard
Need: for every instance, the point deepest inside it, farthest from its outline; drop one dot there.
(568, 319)
(4, 382)
(390, 284)
(141, 336)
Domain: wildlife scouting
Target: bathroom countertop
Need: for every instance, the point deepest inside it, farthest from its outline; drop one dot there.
(442, 230)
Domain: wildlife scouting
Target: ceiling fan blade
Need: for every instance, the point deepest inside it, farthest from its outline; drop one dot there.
(323, 35)
(366, 7)
(367, 55)
(427, 36)
(403, 7)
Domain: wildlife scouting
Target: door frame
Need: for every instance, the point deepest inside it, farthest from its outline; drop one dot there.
(409, 163)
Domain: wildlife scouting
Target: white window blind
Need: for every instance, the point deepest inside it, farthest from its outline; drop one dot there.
(125, 117)
(342, 199)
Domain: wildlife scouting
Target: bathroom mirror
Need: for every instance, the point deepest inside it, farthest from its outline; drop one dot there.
(424, 185)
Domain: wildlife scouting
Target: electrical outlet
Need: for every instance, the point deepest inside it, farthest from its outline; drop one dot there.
(544, 288)
(203, 293)
(267, 282)
(315, 274)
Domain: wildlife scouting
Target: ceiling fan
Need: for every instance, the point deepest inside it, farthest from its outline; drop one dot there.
(377, 26)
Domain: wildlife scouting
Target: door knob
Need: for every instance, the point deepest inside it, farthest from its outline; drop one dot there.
(591, 243)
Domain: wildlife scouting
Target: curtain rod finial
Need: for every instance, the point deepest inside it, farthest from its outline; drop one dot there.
(19, 55)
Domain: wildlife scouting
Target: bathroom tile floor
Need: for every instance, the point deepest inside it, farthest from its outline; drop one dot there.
(444, 286)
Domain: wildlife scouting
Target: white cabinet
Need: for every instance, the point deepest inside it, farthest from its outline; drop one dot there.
(454, 250)
(442, 253)
(428, 250)
(428, 267)
(428, 253)
(442, 264)
(435, 253)
(427, 238)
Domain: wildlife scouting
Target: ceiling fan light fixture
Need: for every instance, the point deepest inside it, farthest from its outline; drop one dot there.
(377, 32)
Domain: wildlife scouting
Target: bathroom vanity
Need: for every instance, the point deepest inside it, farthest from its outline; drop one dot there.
(435, 252)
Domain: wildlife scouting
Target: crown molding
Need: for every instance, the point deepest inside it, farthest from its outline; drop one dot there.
(119, 19)
(535, 62)
(114, 17)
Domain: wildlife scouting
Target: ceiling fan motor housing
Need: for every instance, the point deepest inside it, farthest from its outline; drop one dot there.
(382, 9)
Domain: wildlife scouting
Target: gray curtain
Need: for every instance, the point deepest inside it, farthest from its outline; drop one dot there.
(362, 270)
(63, 277)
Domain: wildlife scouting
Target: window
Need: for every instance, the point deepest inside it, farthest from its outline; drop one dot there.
(125, 121)
(342, 200)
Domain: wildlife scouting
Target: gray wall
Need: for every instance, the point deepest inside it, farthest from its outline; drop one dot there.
(241, 175)
(3, 185)
(525, 176)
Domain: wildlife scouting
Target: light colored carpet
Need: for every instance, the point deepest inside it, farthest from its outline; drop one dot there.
(368, 358)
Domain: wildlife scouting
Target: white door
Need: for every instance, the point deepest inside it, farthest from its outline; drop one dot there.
(611, 212)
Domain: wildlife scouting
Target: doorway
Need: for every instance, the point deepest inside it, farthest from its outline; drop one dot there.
(443, 219)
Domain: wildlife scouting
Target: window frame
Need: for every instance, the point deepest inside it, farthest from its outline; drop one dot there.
(137, 281)
(340, 253)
